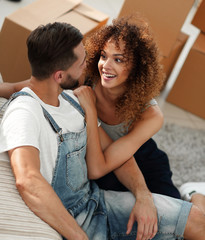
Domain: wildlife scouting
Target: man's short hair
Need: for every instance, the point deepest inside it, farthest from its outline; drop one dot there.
(50, 48)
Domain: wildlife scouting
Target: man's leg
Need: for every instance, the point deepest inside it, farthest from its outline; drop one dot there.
(172, 216)
(195, 227)
(199, 200)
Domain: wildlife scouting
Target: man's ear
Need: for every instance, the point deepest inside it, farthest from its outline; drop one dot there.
(58, 76)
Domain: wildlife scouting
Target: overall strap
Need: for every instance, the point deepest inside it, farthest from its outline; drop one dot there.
(12, 97)
(75, 104)
(47, 115)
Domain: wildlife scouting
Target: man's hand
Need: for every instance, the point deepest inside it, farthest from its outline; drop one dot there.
(145, 213)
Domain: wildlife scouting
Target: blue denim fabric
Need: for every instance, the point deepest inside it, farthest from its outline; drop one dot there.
(172, 215)
(104, 214)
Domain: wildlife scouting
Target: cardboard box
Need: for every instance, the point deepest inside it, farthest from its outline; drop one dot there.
(199, 18)
(14, 65)
(169, 61)
(188, 91)
(166, 18)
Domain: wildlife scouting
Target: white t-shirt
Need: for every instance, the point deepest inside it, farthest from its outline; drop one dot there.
(24, 124)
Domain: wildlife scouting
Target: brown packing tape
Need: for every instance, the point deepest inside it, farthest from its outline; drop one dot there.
(91, 12)
(79, 21)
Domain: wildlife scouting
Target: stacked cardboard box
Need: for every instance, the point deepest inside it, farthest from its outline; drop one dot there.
(14, 65)
(166, 19)
(188, 90)
(169, 61)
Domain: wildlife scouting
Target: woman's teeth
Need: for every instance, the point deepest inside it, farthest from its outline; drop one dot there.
(108, 75)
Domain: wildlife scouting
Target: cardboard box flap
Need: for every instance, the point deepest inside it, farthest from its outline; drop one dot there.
(79, 21)
(91, 12)
(51, 9)
(199, 18)
(26, 19)
(42, 12)
(199, 44)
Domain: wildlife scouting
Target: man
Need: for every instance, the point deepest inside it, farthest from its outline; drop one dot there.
(44, 132)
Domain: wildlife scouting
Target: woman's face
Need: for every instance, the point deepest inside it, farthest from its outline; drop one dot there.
(113, 66)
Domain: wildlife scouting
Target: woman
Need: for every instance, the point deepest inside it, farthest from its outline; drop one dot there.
(124, 70)
(123, 67)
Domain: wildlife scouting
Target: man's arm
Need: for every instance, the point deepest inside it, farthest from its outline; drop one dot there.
(38, 194)
(7, 89)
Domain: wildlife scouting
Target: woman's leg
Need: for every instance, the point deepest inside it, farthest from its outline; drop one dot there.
(110, 182)
(154, 164)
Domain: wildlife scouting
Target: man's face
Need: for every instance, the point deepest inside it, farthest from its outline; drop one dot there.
(73, 73)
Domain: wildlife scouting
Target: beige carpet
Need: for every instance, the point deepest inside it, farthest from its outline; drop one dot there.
(186, 151)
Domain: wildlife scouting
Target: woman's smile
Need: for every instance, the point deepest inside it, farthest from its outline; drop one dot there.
(112, 66)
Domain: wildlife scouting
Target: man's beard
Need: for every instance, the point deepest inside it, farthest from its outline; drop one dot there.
(69, 83)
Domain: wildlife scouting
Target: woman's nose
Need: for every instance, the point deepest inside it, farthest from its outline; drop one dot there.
(107, 63)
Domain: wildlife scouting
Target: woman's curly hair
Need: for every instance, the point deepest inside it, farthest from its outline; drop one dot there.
(146, 76)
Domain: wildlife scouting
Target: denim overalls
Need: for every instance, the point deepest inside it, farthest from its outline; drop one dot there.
(102, 214)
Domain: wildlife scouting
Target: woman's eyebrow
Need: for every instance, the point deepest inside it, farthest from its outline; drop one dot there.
(118, 54)
(115, 54)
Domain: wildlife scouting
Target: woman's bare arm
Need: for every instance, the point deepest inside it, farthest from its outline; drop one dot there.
(103, 155)
(7, 89)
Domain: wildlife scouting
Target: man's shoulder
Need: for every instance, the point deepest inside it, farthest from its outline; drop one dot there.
(71, 94)
(25, 102)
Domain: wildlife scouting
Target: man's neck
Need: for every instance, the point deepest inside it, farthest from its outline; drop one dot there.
(47, 90)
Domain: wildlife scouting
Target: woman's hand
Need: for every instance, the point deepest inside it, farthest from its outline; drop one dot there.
(87, 98)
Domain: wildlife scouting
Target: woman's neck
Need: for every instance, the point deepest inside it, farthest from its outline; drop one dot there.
(106, 104)
(111, 94)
